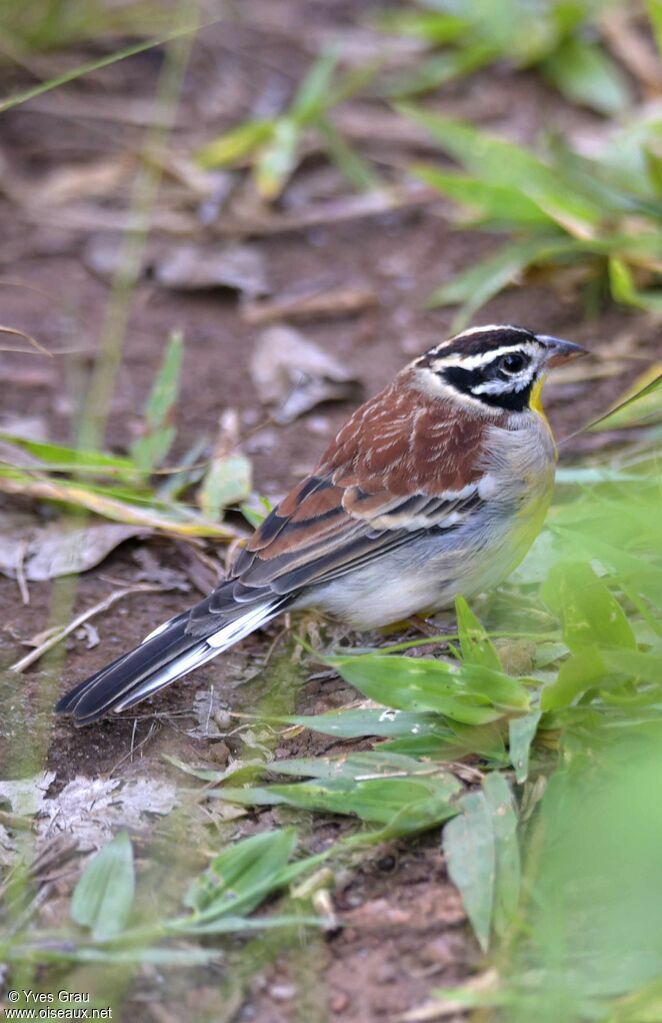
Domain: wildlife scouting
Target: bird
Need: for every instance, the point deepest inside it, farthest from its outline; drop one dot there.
(436, 486)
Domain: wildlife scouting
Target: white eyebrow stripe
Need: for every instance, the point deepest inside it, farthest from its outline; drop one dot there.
(489, 328)
(485, 358)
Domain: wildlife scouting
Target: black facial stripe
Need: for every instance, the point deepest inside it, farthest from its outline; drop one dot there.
(465, 379)
(483, 341)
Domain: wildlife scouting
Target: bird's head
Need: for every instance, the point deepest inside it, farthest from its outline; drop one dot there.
(496, 366)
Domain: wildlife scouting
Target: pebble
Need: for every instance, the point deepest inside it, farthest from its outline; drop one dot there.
(219, 753)
(282, 992)
(339, 1002)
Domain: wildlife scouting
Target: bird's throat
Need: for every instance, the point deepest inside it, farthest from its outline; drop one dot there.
(535, 403)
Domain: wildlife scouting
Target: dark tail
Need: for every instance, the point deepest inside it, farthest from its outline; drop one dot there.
(164, 656)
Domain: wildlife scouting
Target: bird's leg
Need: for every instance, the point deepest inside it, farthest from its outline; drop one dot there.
(421, 624)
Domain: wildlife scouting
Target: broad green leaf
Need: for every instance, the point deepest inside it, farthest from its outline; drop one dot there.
(354, 724)
(352, 766)
(236, 145)
(228, 481)
(420, 735)
(508, 868)
(624, 290)
(58, 457)
(521, 733)
(470, 851)
(149, 451)
(475, 644)
(634, 570)
(401, 804)
(638, 664)
(471, 694)
(590, 615)
(585, 73)
(445, 745)
(498, 204)
(482, 853)
(590, 930)
(582, 671)
(503, 163)
(238, 879)
(103, 897)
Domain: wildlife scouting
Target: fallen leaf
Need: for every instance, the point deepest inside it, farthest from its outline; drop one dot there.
(57, 550)
(296, 375)
(71, 182)
(192, 267)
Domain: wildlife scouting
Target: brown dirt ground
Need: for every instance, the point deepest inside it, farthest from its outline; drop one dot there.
(404, 930)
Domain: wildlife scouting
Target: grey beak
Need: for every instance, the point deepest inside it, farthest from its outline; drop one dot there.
(560, 350)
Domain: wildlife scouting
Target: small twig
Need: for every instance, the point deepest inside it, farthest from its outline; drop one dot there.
(28, 337)
(143, 742)
(62, 633)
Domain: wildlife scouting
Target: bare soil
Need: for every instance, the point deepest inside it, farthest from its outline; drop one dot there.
(404, 931)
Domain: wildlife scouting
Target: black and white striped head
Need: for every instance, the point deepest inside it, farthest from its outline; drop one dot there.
(497, 366)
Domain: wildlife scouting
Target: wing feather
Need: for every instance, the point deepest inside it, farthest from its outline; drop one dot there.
(399, 468)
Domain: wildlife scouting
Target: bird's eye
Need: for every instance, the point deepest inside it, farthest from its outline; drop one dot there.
(512, 363)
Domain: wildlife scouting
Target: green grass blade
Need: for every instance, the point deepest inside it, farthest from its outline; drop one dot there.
(149, 450)
(585, 73)
(103, 897)
(85, 69)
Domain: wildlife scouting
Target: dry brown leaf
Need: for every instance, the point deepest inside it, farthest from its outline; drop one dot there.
(58, 550)
(55, 550)
(79, 181)
(295, 375)
(193, 267)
